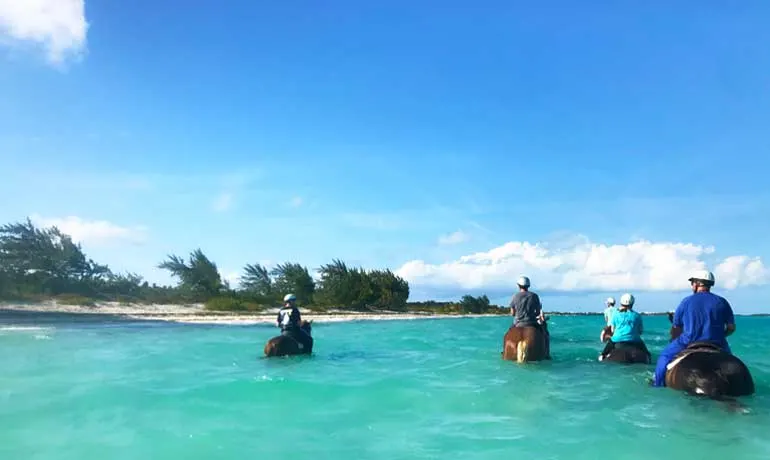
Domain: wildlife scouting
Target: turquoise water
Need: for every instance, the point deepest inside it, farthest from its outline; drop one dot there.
(376, 390)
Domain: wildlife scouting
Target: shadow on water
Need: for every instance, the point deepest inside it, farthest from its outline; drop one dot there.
(10, 317)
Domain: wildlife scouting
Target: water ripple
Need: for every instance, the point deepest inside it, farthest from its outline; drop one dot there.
(422, 389)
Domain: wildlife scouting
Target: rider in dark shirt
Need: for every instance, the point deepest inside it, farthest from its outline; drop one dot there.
(290, 321)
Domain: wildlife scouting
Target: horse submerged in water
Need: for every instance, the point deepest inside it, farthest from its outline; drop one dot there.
(286, 345)
(704, 369)
(624, 352)
(525, 344)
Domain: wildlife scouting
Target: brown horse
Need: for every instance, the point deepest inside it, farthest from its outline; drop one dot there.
(285, 345)
(705, 369)
(624, 352)
(524, 344)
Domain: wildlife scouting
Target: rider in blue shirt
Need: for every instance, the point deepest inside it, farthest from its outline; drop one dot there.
(700, 317)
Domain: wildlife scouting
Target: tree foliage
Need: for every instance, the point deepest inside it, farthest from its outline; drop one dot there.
(199, 276)
(294, 278)
(256, 280)
(356, 288)
(44, 262)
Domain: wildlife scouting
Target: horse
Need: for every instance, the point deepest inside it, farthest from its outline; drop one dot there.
(524, 344)
(704, 369)
(285, 345)
(624, 352)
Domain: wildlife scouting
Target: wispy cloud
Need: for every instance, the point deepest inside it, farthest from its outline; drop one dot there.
(58, 25)
(453, 238)
(93, 231)
(296, 202)
(375, 221)
(223, 202)
(585, 266)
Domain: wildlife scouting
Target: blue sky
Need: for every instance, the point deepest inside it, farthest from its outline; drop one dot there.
(389, 134)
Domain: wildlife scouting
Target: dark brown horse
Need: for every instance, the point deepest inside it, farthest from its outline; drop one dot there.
(705, 369)
(624, 352)
(285, 345)
(524, 344)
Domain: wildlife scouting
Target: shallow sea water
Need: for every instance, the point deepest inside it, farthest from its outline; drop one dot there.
(420, 389)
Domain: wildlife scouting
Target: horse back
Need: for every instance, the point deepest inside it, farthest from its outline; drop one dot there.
(524, 344)
(706, 369)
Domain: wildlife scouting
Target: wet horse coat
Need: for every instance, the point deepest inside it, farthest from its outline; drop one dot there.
(705, 369)
(524, 344)
(285, 345)
(624, 352)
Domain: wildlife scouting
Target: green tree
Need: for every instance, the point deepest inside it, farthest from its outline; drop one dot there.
(46, 261)
(391, 291)
(336, 285)
(294, 278)
(200, 275)
(356, 288)
(128, 285)
(475, 305)
(256, 280)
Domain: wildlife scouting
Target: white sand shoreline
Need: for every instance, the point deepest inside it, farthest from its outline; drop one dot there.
(196, 314)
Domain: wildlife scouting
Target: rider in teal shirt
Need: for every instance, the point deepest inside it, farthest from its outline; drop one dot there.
(626, 326)
(609, 310)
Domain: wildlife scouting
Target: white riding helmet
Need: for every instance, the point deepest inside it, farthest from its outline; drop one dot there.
(702, 275)
(523, 281)
(627, 300)
(289, 297)
(610, 301)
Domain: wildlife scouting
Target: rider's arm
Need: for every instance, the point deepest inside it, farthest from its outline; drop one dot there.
(539, 307)
(729, 319)
(296, 316)
(677, 325)
(513, 308)
(278, 319)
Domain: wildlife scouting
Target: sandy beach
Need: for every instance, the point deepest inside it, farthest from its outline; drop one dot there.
(193, 313)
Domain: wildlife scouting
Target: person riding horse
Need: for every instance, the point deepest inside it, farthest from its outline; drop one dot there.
(626, 328)
(700, 317)
(290, 322)
(528, 311)
(610, 302)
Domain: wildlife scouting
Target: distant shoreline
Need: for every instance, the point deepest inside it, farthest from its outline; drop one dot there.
(19, 313)
(112, 312)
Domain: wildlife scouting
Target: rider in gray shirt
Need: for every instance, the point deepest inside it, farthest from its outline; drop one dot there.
(528, 311)
(525, 305)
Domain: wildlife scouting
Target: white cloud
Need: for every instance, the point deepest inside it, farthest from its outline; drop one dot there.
(296, 202)
(58, 25)
(453, 238)
(736, 271)
(581, 266)
(93, 231)
(223, 202)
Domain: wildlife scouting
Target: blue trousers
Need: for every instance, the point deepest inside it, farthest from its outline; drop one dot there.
(667, 355)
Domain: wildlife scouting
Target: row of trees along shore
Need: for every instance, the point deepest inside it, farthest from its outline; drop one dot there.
(44, 263)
